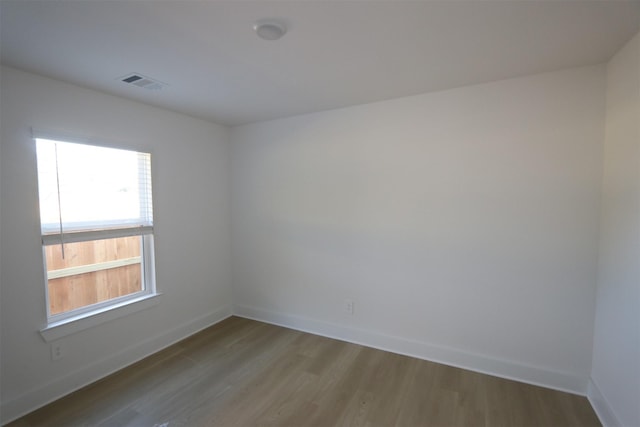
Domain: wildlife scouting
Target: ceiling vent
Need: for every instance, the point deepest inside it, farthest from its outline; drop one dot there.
(143, 82)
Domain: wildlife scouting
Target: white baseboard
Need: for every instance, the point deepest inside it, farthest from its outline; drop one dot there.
(601, 405)
(88, 374)
(479, 363)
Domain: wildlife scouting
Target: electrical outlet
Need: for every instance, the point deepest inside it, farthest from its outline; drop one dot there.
(56, 351)
(348, 306)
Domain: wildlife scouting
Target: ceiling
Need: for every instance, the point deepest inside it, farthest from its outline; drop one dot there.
(335, 53)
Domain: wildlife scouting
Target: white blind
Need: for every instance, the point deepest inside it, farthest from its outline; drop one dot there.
(86, 188)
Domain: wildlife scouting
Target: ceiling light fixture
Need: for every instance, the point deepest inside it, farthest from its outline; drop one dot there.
(269, 30)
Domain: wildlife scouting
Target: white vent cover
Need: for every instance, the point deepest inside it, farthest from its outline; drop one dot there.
(143, 81)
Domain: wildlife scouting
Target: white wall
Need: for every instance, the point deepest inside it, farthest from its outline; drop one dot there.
(190, 169)
(463, 224)
(615, 387)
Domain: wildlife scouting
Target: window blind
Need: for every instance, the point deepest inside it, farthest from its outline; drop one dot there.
(91, 192)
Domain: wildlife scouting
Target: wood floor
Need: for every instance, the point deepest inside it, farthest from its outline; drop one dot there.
(245, 373)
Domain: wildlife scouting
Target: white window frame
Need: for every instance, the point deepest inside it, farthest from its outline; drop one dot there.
(62, 324)
(146, 264)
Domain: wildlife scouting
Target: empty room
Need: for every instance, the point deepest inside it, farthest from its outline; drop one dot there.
(320, 213)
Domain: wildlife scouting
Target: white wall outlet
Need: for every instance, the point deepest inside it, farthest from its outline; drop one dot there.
(348, 306)
(56, 351)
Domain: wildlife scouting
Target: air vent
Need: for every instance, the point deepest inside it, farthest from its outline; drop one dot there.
(143, 81)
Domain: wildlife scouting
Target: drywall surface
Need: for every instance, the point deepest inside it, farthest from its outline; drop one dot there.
(616, 351)
(463, 224)
(191, 212)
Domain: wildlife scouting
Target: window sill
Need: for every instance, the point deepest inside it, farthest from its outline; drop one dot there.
(56, 330)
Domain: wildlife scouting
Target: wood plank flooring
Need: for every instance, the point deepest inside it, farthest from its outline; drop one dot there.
(246, 373)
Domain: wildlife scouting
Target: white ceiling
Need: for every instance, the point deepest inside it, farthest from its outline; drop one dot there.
(335, 54)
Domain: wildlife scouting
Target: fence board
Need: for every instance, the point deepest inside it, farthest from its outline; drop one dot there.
(68, 293)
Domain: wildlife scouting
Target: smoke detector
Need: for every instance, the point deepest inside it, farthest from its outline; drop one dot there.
(143, 81)
(268, 29)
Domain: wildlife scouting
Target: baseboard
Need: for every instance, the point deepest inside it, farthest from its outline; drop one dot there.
(479, 363)
(88, 374)
(601, 405)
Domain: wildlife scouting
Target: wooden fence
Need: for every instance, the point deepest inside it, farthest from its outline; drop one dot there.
(92, 272)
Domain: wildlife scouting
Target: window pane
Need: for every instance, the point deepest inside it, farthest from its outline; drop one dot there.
(97, 200)
(93, 272)
(89, 187)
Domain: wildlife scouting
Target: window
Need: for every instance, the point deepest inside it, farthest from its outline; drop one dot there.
(96, 217)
